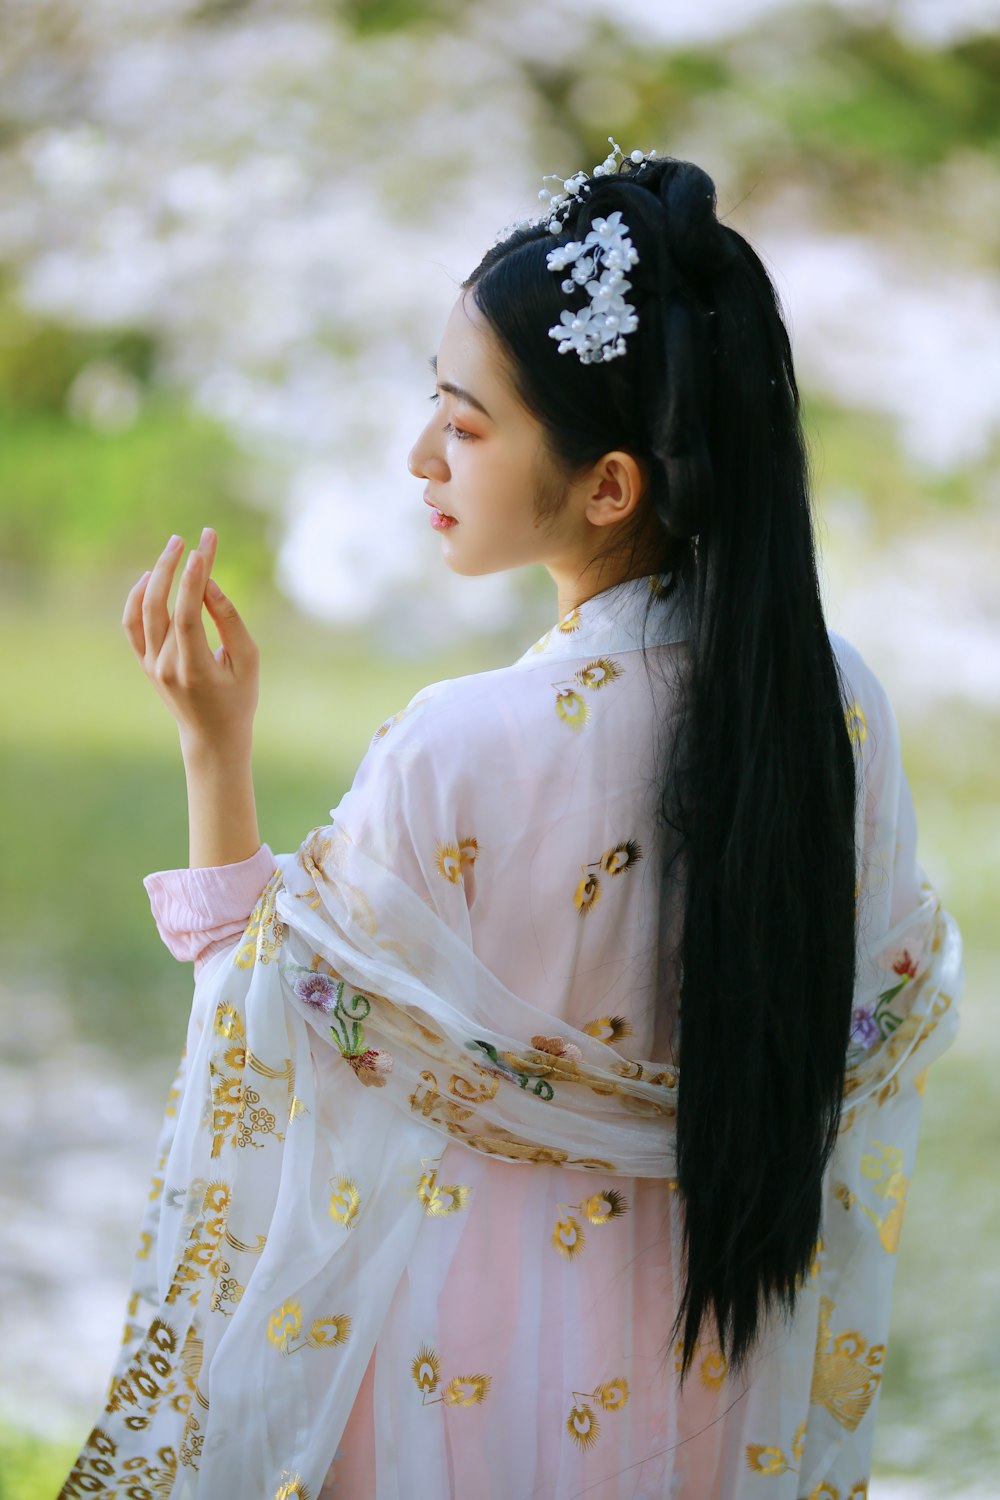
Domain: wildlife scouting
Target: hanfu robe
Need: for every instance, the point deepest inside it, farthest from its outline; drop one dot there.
(415, 1229)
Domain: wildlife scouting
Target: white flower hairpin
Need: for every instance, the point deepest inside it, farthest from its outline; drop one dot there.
(595, 333)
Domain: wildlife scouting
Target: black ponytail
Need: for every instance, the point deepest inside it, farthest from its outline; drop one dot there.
(759, 784)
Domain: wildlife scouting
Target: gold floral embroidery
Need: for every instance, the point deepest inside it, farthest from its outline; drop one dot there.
(713, 1369)
(433, 1105)
(440, 1199)
(582, 1424)
(764, 1458)
(345, 1200)
(768, 1458)
(428, 1100)
(386, 725)
(570, 705)
(883, 1166)
(466, 1390)
(461, 1390)
(712, 1364)
(244, 1248)
(94, 1467)
(844, 1195)
(567, 1237)
(613, 862)
(239, 1113)
(426, 1369)
(201, 1253)
(600, 1208)
(227, 1287)
(857, 724)
(292, 1487)
(570, 622)
(264, 932)
(451, 859)
(608, 1028)
(475, 1091)
(147, 1381)
(285, 1324)
(846, 1372)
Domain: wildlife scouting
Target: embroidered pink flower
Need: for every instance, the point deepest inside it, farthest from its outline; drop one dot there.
(371, 1066)
(864, 1027)
(904, 961)
(557, 1047)
(316, 990)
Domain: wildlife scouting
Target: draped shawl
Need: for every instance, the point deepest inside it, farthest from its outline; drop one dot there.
(426, 1110)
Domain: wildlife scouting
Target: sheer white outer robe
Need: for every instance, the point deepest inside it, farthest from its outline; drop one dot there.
(414, 1231)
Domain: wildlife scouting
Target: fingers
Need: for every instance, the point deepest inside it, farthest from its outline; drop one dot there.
(237, 642)
(132, 616)
(192, 643)
(155, 620)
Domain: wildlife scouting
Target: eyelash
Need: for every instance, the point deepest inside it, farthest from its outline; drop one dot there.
(458, 432)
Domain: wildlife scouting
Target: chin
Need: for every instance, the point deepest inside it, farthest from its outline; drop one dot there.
(474, 567)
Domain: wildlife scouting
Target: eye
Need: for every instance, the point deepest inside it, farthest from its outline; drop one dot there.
(458, 432)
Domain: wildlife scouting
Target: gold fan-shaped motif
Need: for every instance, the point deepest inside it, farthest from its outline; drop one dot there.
(846, 1372)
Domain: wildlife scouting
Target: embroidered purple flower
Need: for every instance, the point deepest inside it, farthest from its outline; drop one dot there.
(864, 1027)
(316, 990)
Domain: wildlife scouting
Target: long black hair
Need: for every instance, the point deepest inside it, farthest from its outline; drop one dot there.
(759, 786)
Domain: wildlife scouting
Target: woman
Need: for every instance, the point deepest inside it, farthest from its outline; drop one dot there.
(452, 1200)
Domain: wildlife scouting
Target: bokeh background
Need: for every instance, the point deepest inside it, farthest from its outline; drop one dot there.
(230, 233)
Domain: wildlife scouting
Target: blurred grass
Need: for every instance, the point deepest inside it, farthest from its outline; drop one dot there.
(32, 1468)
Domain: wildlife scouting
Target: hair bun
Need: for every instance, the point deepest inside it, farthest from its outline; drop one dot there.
(697, 242)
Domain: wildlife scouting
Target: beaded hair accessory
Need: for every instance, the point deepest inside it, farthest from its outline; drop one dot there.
(595, 333)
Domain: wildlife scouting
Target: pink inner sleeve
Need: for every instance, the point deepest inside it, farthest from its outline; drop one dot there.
(197, 912)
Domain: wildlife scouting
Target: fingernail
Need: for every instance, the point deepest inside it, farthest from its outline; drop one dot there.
(191, 563)
(172, 544)
(205, 533)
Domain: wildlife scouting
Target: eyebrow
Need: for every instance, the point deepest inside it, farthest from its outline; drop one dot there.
(456, 390)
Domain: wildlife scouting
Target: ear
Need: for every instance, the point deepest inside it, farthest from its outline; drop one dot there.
(614, 488)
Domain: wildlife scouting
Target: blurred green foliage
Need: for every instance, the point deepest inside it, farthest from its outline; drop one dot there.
(74, 497)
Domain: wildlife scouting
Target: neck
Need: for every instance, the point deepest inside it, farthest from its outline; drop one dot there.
(575, 588)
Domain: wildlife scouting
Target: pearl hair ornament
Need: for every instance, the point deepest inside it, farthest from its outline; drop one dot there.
(595, 333)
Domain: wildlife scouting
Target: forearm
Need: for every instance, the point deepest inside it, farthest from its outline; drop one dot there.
(222, 811)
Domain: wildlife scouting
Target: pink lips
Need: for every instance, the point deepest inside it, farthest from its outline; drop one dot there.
(440, 520)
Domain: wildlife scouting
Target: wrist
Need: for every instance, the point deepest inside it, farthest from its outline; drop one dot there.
(202, 753)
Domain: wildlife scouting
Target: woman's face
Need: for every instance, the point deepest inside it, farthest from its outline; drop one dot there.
(486, 463)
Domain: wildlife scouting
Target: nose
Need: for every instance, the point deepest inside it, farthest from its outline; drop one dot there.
(423, 462)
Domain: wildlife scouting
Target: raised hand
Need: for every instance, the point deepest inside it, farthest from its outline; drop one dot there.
(212, 695)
